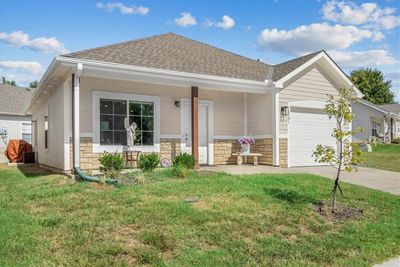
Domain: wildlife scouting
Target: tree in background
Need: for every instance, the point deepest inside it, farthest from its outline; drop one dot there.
(5, 81)
(373, 85)
(344, 157)
(33, 84)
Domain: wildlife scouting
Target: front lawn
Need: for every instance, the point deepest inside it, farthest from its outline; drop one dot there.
(255, 220)
(383, 156)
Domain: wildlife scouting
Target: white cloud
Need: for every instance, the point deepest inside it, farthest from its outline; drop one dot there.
(368, 58)
(185, 20)
(369, 14)
(226, 23)
(30, 67)
(123, 9)
(313, 37)
(41, 44)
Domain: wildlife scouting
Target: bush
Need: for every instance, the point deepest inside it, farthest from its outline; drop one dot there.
(180, 171)
(148, 162)
(111, 164)
(185, 160)
(396, 140)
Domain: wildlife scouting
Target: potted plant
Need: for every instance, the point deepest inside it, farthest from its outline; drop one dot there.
(245, 142)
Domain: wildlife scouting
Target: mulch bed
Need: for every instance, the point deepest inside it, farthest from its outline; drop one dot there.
(342, 213)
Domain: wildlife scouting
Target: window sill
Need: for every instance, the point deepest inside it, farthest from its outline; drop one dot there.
(112, 149)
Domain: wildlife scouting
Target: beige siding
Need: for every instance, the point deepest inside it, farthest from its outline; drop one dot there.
(259, 114)
(313, 84)
(57, 154)
(228, 107)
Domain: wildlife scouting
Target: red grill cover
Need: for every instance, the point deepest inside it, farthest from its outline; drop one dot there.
(15, 150)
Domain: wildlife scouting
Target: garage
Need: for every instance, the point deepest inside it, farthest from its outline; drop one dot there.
(308, 127)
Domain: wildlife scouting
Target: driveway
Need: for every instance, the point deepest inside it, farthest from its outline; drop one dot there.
(373, 178)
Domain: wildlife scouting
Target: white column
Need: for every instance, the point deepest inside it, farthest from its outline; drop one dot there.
(275, 128)
(245, 130)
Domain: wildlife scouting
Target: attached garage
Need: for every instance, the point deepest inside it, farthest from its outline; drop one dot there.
(308, 127)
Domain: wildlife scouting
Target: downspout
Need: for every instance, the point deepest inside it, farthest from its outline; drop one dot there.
(76, 130)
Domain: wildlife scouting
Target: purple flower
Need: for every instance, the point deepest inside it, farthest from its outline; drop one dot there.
(246, 140)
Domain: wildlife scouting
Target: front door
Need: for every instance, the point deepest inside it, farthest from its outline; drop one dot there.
(204, 130)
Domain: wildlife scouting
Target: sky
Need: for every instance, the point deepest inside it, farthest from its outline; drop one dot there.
(355, 33)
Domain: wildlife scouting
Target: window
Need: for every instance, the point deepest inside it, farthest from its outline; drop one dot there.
(112, 115)
(46, 131)
(27, 132)
(142, 113)
(375, 128)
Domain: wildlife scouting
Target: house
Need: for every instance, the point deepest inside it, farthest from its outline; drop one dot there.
(14, 122)
(172, 86)
(382, 122)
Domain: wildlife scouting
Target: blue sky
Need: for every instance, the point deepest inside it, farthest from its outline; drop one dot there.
(355, 33)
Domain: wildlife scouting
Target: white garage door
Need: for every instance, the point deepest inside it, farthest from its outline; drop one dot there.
(307, 129)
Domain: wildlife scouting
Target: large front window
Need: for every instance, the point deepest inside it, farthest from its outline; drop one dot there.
(112, 115)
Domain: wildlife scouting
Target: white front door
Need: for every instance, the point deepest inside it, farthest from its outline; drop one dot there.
(204, 130)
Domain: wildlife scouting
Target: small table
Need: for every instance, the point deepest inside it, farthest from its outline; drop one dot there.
(131, 157)
(239, 158)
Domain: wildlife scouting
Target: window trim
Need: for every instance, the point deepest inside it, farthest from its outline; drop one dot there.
(46, 136)
(97, 95)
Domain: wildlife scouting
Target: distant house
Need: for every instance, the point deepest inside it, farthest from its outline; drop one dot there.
(84, 97)
(382, 122)
(14, 122)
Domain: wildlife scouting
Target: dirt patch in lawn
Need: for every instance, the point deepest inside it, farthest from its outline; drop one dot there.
(342, 213)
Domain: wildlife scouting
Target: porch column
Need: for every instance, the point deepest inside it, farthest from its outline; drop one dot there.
(384, 129)
(195, 124)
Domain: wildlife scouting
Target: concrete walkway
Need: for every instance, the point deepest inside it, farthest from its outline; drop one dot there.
(373, 178)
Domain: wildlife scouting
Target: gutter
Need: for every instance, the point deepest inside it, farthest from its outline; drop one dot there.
(76, 129)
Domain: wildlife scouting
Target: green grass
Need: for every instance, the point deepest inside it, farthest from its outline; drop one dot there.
(383, 156)
(257, 220)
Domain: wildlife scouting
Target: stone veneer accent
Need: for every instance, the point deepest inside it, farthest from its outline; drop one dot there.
(169, 148)
(283, 155)
(223, 149)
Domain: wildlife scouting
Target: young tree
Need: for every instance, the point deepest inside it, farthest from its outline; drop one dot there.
(373, 85)
(344, 157)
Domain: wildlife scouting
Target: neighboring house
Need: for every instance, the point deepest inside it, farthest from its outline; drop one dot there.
(14, 123)
(394, 108)
(84, 97)
(376, 121)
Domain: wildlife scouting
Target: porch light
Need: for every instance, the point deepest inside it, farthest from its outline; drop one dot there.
(285, 111)
(177, 104)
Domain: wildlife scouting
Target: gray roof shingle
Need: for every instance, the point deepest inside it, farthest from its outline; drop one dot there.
(282, 69)
(14, 99)
(174, 52)
(395, 108)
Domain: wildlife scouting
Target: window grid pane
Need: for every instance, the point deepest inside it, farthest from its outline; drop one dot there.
(142, 113)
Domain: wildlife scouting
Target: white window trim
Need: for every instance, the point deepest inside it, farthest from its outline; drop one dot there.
(97, 95)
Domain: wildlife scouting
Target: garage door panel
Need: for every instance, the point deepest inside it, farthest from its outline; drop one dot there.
(307, 129)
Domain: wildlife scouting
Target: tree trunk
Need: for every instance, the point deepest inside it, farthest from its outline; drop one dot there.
(336, 185)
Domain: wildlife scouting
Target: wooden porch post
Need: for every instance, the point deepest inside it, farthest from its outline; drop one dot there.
(195, 125)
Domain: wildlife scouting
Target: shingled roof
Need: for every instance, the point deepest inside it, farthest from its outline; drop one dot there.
(14, 100)
(282, 69)
(174, 52)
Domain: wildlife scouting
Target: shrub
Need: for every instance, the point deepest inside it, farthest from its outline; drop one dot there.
(148, 162)
(396, 140)
(180, 171)
(185, 160)
(111, 164)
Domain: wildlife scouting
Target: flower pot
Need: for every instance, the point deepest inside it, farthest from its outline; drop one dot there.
(245, 149)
